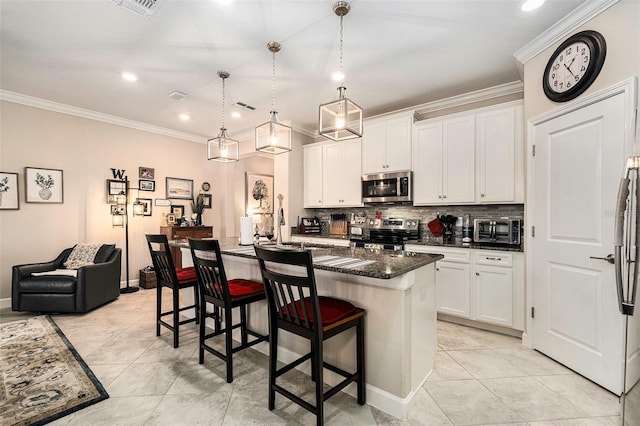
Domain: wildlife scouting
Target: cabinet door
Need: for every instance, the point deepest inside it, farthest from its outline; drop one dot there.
(453, 288)
(332, 174)
(398, 144)
(427, 164)
(351, 168)
(493, 295)
(496, 153)
(313, 176)
(374, 148)
(458, 158)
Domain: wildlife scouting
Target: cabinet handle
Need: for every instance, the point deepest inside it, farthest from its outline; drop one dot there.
(444, 196)
(437, 269)
(482, 195)
(477, 274)
(439, 196)
(494, 258)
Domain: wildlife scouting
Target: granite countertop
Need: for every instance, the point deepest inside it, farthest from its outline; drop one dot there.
(364, 262)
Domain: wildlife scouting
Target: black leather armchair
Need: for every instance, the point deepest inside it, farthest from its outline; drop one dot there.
(93, 286)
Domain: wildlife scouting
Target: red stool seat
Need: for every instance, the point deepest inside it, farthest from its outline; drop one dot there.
(331, 310)
(186, 274)
(240, 287)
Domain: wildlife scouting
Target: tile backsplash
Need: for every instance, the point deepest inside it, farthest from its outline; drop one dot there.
(425, 214)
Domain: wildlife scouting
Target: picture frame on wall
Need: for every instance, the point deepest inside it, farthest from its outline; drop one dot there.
(146, 173)
(148, 203)
(43, 185)
(147, 185)
(9, 195)
(171, 219)
(178, 188)
(206, 199)
(117, 209)
(115, 188)
(177, 211)
(258, 193)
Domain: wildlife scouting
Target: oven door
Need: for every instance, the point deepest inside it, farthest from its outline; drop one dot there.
(483, 231)
(507, 231)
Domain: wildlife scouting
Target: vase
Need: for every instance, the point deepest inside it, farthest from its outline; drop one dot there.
(199, 219)
(45, 193)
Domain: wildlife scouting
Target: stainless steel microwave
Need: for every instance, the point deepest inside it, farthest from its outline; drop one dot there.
(387, 188)
(496, 231)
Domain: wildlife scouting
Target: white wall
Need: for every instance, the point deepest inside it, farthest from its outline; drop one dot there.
(86, 150)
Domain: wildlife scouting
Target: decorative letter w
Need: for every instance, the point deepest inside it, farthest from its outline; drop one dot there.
(118, 174)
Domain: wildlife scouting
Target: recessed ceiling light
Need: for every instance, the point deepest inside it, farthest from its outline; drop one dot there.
(530, 5)
(184, 117)
(337, 76)
(129, 76)
(236, 114)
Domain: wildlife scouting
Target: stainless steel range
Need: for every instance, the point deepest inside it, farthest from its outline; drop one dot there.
(386, 234)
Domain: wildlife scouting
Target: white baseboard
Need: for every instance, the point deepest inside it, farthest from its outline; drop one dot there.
(5, 303)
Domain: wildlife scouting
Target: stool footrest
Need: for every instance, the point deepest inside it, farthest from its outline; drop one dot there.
(293, 364)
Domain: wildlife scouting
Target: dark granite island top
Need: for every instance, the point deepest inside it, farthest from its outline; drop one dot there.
(381, 264)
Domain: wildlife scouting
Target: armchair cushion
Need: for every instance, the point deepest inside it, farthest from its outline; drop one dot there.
(48, 284)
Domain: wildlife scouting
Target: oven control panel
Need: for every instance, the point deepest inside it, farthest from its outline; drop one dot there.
(394, 223)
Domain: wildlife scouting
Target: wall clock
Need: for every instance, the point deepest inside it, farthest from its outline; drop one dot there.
(574, 66)
(206, 186)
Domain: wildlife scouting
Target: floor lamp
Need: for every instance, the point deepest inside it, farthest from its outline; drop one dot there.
(122, 219)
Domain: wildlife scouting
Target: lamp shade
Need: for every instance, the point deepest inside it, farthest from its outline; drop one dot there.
(117, 220)
(138, 208)
(341, 119)
(121, 198)
(222, 148)
(273, 137)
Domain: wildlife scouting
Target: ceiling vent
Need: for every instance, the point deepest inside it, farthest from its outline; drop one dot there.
(244, 106)
(177, 95)
(144, 8)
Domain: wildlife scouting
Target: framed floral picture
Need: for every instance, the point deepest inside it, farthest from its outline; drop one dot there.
(43, 185)
(9, 199)
(259, 194)
(146, 172)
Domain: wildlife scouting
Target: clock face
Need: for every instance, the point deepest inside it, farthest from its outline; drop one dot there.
(569, 67)
(574, 66)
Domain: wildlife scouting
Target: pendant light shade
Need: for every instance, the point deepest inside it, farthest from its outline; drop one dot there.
(138, 208)
(222, 148)
(340, 119)
(273, 137)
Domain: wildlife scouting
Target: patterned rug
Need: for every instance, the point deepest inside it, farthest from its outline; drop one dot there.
(42, 376)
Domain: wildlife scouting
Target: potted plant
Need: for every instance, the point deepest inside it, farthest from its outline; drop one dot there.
(197, 208)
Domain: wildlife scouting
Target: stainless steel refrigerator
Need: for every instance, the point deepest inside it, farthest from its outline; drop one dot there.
(627, 264)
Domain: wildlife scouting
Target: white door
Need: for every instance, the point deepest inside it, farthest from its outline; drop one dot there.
(332, 174)
(398, 144)
(453, 288)
(374, 148)
(458, 158)
(313, 176)
(351, 184)
(493, 295)
(576, 170)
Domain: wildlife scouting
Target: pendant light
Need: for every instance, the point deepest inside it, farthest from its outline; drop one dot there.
(341, 119)
(273, 137)
(222, 148)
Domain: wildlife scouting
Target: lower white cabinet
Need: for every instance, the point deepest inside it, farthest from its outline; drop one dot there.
(481, 285)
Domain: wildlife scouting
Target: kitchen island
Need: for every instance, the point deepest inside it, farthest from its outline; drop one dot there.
(398, 291)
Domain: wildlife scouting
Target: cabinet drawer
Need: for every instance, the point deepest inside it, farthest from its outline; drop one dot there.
(203, 234)
(494, 259)
(450, 255)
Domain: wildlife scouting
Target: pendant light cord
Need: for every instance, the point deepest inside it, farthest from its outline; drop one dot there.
(341, 43)
(223, 99)
(273, 82)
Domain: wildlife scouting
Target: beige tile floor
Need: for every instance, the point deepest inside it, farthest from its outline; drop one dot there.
(481, 378)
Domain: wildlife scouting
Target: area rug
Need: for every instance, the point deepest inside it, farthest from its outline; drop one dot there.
(42, 376)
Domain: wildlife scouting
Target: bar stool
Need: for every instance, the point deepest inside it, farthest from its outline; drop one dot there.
(223, 294)
(294, 306)
(175, 279)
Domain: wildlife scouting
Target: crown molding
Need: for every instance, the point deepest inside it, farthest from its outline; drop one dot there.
(558, 31)
(31, 101)
(464, 99)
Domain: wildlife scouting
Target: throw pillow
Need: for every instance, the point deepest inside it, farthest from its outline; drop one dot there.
(81, 255)
(104, 253)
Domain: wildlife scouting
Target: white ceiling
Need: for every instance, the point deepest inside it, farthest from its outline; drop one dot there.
(396, 54)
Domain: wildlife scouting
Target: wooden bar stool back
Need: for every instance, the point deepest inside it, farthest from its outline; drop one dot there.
(295, 306)
(175, 279)
(224, 295)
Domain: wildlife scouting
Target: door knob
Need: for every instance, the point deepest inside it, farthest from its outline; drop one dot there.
(610, 258)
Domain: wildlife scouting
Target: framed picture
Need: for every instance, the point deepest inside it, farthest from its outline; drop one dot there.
(259, 194)
(9, 198)
(117, 209)
(148, 202)
(206, 198)
(115, 188)
(43, 185)
(177, 211)
(146, 173)
(171, 219)
(180, 188)
(147, 185)
(162, 202)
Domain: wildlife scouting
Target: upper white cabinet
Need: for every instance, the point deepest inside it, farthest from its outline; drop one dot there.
(313, 175)
(473, 157)
(342, 174)
(499, 152)
(386, 144)
(444, 161)
(333, 174)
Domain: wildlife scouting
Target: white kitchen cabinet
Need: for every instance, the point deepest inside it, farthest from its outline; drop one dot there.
(481, 285)
(313, 175)
(386, 144)
(342, 174)
(499, 152)
(444, 161)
